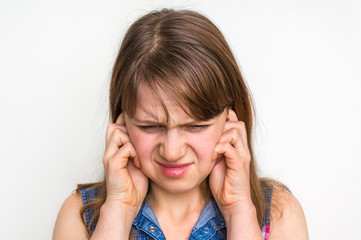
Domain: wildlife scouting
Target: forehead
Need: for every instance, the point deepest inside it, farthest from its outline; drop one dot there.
(149, 107)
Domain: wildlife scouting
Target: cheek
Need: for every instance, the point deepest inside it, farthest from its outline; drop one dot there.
(142, 144)
(204, 146)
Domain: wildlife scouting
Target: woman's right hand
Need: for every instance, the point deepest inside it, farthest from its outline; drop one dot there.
(126, 183)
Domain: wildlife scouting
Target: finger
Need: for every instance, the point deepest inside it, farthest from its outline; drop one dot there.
(117, 139)
(240, 127)
(110, 130)
(120, 159)
(135, 173)
(118, 124)
(218, 171)
(137, 162)
(234, 137)
(216, 176)
(236, 134)
(234, 159)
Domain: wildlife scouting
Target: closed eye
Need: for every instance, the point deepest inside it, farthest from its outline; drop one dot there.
(153, 128)
(198, 127)
(149, 127)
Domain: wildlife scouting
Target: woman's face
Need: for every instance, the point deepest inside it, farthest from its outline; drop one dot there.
(177, 156)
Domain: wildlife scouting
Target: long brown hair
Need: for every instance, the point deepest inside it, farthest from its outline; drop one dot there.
(184, 54)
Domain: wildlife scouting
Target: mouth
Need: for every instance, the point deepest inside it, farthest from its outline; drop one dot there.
(174, 170)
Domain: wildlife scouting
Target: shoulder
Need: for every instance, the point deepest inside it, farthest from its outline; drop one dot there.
(69, 224)
(287, 217)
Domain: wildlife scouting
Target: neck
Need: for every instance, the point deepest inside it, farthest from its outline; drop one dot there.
(178, 205)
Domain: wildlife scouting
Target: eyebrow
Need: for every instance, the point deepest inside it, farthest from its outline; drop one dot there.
(150, 118)
(150, 121)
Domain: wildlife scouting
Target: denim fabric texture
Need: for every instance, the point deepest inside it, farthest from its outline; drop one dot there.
(210, 224)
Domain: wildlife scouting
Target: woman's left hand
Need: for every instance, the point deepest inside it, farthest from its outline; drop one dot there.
(230, 178)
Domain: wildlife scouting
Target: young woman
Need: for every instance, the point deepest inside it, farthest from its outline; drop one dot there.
(178, 161)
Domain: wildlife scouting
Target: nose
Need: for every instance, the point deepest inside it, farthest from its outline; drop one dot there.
(173, 145)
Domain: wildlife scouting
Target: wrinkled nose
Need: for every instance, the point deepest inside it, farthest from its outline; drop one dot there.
(173, 145)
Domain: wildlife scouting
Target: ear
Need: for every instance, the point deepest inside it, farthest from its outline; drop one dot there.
(120, 119)
(232, 116)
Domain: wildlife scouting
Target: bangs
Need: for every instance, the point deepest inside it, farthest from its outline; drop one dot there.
(192, 82)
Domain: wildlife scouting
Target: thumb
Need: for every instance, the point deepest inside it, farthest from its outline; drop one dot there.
(217, 175)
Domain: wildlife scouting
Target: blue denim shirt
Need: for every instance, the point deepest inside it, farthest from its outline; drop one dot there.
(210, 224)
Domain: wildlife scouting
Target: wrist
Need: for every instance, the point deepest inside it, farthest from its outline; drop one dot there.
(242, 210)
(241, 221)
(115, 221)
(119, 212)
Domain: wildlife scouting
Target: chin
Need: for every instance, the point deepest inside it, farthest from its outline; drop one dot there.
(179, 186)
(180, 189)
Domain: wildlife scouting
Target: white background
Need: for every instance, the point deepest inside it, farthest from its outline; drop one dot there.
(301, 59)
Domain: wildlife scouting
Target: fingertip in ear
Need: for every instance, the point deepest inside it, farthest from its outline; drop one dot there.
(232, 115)
(136, 162)
(120, 119)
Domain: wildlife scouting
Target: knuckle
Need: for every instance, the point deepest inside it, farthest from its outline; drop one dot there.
(223, 144)
(228, 146)
(241, 125)
(234, 134)
(121, 131)
(110, 127)
(234, 131)
(117, 131)
(115, 162)
(119, 136)
(128, 146)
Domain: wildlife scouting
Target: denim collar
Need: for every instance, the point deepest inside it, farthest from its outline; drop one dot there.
(209, 222)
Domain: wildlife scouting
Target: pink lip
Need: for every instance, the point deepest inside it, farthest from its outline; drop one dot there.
(174, 170)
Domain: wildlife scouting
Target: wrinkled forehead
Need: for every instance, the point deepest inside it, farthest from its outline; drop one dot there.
(158, 105)
(199, 101)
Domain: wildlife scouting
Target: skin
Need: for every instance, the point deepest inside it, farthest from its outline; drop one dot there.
(135, 146)
(176, 142)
